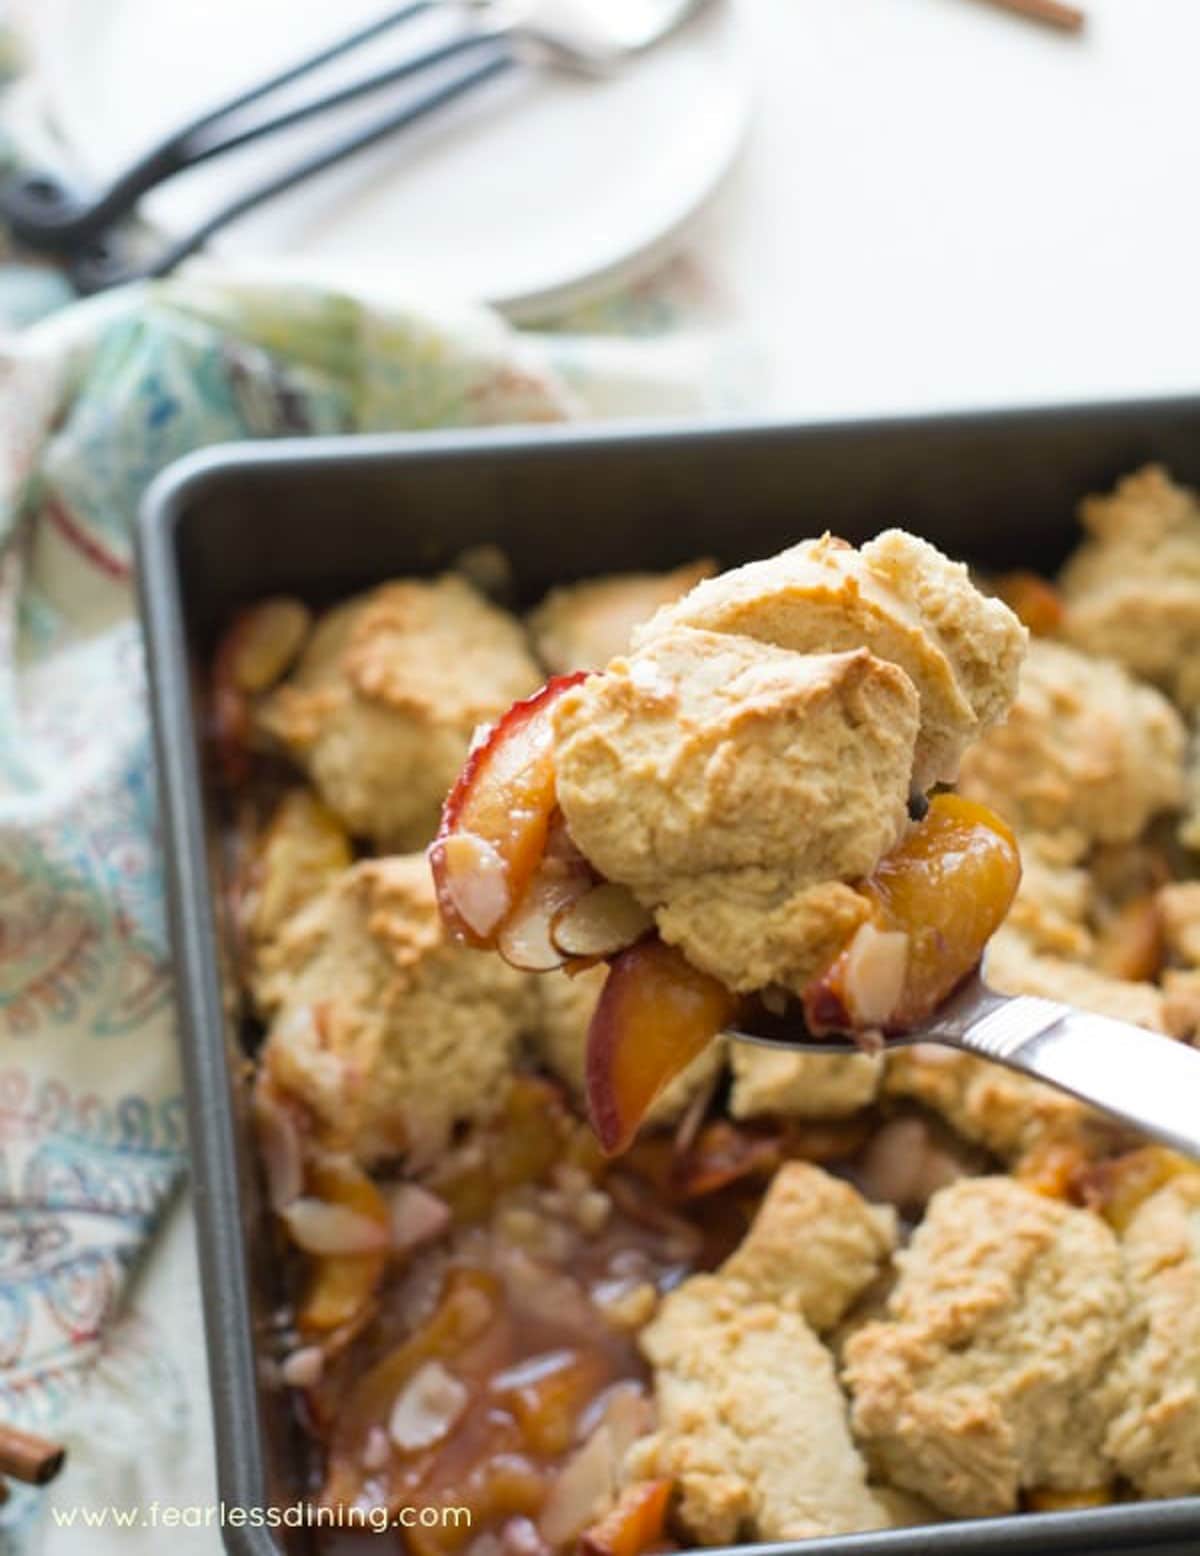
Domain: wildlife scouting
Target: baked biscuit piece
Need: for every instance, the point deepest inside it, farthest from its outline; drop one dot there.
(1013, 969)
(990, 1374)
(898, 596)
(681, 773)
(381, 708)
(1155, 1438)
(1051, 908)
(815, 1245)
(1181, 1003)
(560, 1040)
(1132, 589)
(385, 1031)
(1085, 747)
(751, 1422)
(582, 626)
(771, 1082)
(986, 1103)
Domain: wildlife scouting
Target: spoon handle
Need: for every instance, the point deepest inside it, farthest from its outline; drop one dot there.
(1148, 1080)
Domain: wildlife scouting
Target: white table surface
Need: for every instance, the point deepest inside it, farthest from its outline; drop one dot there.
(944, 205)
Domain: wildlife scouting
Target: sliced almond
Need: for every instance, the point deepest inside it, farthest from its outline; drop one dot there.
(427, 1408)
(417, 1216)
(321, 1228)
(527, 939)
(628, 1414)
(905, 1164)
(775, 999)
(280, 1150)
(585, 1489)
(475, 878)
(602, 922)
(302, 1369)
(876, 965)
(377, 1450)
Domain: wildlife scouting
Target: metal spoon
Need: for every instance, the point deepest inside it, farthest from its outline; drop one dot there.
(1143, 1078)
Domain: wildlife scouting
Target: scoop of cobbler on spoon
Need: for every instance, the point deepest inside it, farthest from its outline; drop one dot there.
(726, 813)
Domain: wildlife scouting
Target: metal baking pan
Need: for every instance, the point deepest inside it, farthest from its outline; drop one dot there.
(324, 517)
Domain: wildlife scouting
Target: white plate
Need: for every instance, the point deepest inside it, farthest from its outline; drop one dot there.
(535, 191)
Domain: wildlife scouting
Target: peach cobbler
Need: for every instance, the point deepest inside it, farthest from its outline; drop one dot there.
(558, 1251)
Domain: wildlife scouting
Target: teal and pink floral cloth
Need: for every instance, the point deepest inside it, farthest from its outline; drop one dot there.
(96, 398)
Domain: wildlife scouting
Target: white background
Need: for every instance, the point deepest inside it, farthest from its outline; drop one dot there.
(946, 205)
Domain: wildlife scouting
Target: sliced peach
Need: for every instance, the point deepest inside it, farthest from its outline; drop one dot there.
(531, 1135)
(341, 1286)
(1118, 1187)
(503, 800)
(634, 1524)
(946, 887)
(546, 1395)
(1133, 944)
(721, 1154)
(1055, 1169)
(469, 1305)
(1036, 602)
(655, 1014)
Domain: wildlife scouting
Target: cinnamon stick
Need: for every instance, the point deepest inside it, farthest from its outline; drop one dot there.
(1056, 13)
(28, 1457)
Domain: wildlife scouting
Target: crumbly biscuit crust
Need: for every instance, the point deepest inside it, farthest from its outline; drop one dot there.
(385, 1031)
(382, 706)
(989, 1375)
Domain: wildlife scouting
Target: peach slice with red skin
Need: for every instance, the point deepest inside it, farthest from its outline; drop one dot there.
(496, 819)
(946, 888)
(656, 1013)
